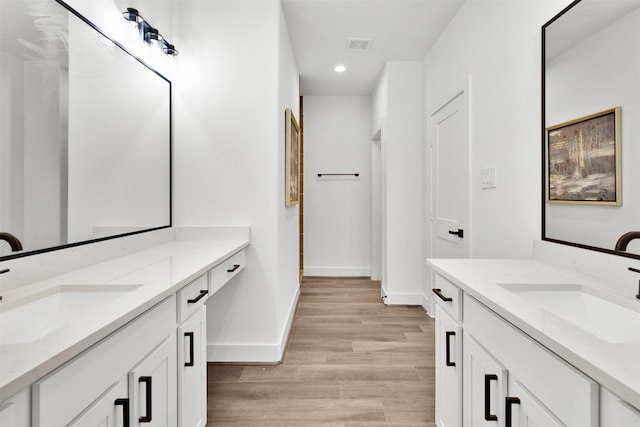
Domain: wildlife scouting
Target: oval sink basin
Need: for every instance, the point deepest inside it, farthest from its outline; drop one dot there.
(583, 308)
(38, 315)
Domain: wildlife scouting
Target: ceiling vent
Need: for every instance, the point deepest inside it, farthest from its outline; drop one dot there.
(358, 44)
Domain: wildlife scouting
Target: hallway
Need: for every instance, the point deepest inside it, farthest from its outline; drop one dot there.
(350, 361)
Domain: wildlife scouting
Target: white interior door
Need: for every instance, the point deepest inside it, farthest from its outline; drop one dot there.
(450, 162)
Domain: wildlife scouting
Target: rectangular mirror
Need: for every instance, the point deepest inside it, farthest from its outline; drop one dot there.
(85, 140)
(591, 65)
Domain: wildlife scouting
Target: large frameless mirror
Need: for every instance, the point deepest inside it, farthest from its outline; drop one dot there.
(591, 105)
(85, 132)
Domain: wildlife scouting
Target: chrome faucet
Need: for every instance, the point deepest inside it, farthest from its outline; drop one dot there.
(623, 241)
(12, 240)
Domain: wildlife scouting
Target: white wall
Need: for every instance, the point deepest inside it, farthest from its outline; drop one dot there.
(398, 109)
(235, 78)
(337, 219)
(498, 44)
(567, 99)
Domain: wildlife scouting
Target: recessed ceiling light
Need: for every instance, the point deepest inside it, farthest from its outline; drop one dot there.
(340, 69)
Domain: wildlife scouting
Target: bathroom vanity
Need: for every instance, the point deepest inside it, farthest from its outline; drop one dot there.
(119, 343)
(523, 342)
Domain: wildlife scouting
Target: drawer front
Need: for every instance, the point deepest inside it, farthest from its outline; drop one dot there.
(192, 297)
(566, 392)
(448, 296)
(225, 271)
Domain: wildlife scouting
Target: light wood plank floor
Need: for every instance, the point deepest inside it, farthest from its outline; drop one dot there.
(350, 361)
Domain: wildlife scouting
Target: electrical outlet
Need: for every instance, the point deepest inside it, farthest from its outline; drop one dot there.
(488, 177)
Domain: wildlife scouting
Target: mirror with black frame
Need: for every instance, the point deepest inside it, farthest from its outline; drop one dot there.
(591, 126)
(85, 141)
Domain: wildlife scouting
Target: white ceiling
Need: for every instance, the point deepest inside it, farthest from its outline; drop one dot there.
(400, 29)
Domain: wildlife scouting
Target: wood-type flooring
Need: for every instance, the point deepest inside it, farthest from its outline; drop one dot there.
(350, 361)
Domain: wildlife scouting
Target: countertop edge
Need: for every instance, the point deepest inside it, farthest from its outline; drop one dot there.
(40, 370)
(577, 361)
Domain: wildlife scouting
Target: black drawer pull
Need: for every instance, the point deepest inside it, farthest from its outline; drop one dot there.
(198, 298)
(190, 336)
(125, 410)
(488, 416)
(146, 418)
(235, 267)
(449, 334)
(507, 410)
(441, 295)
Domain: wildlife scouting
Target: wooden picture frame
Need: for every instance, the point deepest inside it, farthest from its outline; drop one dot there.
(583, 160)
(292, 159)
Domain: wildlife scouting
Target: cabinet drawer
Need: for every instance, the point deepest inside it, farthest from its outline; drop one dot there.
(192, 297)
(225, 271)
(568, 394)
(448, 297)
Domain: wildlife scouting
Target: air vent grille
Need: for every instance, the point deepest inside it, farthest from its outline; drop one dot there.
(358, 44)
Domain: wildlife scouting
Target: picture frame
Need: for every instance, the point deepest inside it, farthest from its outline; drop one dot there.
(292, 159)
(583, 160)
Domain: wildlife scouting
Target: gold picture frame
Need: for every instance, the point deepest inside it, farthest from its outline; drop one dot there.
(583, 160)
(292, 159)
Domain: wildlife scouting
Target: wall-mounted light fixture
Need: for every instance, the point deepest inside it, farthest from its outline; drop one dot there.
(149, 34)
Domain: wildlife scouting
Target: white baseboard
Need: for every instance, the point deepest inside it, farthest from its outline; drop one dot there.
(401, 298)
(338, 271)
(255, 353)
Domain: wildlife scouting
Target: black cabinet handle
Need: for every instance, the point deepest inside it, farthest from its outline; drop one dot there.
(507, 410)
(449, 334)
(147, 417)
(441, 295)
(459, 233)
(190, 336)
(235, 267)
(198, 298)
(488, 416)
(125, 410)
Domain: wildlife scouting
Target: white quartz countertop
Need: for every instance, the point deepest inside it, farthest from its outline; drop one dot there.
(158, 272)
(616, 366)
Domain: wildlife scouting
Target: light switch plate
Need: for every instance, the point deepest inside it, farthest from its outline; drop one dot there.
(488, 177)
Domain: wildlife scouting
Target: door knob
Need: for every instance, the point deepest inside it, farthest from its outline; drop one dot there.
(459, 233)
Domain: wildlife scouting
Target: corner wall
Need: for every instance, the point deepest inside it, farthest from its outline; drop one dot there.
(397, 111)
(235, 78)
(497, 43)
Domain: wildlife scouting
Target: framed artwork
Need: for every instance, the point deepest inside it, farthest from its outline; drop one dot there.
(292, 159)
(583, 160)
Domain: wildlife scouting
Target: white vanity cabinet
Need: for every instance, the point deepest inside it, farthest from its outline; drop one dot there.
(484, 385)
(152, 386)
(101, 385)
(502, 377)
(449, 347)
(192, 358)
(616, 413)
(16, 411)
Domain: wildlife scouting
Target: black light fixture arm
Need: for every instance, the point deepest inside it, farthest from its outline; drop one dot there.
(149, 33)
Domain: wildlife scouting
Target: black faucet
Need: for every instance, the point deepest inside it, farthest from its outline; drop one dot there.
(12, 240)
(623, 241)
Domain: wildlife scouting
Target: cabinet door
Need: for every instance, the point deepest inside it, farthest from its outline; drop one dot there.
(448, 370)
(522, 409)
(192, 371)
(614, 412)
(153, 387)
(484, 386)
(111, 409)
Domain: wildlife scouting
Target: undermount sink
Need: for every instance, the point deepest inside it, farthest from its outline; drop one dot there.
(31, 318)
(583, 308)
